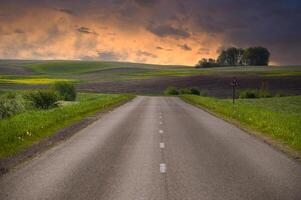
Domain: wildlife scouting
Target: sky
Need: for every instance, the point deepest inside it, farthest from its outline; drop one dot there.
(148, 31)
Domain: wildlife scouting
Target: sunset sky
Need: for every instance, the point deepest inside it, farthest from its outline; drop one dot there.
(148, 31)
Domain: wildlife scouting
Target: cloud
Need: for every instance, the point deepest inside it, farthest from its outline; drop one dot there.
(270, 23)
(38, 29)
(19, 31)
(146, 3)
(110, 56)
(162, 48)
(66, 11)
(203, 51)
(85, 30)
(185, 47)
(167, 30)
(146, 54)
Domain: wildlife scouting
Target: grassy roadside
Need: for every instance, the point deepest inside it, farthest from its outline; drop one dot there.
(277, 118)
(20, 131)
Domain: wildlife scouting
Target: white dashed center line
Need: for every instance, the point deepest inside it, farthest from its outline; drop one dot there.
(163, 168)
(161, 131)
(160, 123)
(162, 145)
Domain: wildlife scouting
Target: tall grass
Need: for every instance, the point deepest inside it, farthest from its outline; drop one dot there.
(20, 131)
(273, 117)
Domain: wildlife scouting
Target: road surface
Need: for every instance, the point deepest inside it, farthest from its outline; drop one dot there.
(157, 148)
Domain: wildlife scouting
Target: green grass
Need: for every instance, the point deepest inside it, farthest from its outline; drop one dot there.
(278, 118)
(80, 67)
(67, 67)
(20, 131)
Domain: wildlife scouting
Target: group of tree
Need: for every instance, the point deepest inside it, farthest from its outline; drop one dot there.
(252, 56)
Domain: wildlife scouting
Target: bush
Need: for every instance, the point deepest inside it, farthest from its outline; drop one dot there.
(252, 94)
(66, 91)
(248, 94)
(11, 104)
(171, 91)
(43, 99)
(206, 63)
(194, 91)
(185, 91)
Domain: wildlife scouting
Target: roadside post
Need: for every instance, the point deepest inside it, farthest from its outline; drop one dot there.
(234, 84)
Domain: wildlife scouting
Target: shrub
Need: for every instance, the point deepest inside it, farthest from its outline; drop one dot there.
(11, 104)
(185, 91)
(248, 94)
(43, 99)
(252, 94)
(171, 91)
(194, 91)
(66, 90)
(206, 63)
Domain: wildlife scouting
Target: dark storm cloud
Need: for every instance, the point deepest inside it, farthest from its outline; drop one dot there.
(167, 30)
(270, 23)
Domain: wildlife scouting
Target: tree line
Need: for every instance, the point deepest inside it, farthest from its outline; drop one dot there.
(252, 56)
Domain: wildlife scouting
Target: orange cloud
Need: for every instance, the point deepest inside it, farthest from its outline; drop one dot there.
(52, 33)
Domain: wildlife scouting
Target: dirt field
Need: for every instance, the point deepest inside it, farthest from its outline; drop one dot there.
(14, 70)
(218, 86)
(214, 85)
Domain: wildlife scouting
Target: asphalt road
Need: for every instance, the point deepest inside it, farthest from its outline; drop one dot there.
(157, 148)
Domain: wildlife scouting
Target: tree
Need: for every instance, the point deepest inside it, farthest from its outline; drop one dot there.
(230, 56)
(237, 56)
(256, 56)
(204, 63)
(222, 58)
(240, 54)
